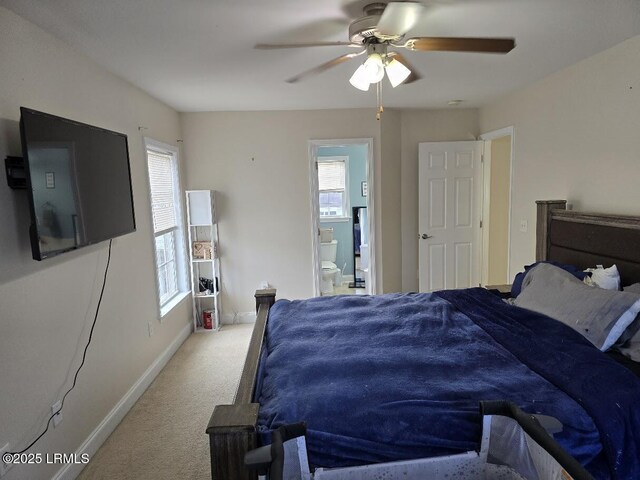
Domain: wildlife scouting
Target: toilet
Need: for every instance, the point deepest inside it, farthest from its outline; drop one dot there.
(330, 272)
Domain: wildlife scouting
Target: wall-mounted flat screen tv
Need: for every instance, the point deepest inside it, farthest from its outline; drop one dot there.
(79, 183)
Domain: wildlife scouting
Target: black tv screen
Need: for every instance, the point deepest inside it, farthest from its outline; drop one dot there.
(79, 183)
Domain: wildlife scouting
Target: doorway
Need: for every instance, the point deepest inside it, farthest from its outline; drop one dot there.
(341, 176)
(496, 206)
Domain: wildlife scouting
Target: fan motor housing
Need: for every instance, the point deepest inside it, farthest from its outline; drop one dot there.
(363, 28)
(366, 27)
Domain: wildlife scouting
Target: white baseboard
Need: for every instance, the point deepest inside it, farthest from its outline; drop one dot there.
(241, 317)
(117, 413)
(347, 278)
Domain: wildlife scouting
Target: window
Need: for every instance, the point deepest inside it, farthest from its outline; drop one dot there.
(167, 224)
(332, 181)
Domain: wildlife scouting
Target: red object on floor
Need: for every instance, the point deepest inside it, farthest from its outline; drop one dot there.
(207, 319)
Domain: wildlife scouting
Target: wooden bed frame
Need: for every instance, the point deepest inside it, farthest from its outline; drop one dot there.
(582, 239)
(588, 239)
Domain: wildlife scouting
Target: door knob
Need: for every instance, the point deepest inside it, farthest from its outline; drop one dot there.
(424, 236)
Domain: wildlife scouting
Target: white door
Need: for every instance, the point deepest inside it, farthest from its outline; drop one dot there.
(449, 215)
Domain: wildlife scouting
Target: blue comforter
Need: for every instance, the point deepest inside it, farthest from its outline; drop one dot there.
(399, 376)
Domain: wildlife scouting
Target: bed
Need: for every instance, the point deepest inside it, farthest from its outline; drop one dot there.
(388, 426)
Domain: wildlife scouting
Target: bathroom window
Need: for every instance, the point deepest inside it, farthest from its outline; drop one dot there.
(332, 182)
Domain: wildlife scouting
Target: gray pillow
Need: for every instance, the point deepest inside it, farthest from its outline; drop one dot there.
(631, 348)
(601, 316)
(629, 343)
(630, 332)
(634, 288)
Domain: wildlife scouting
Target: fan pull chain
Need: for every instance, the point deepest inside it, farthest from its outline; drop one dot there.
(379, 96)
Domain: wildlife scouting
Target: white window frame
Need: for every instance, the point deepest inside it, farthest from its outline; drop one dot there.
(346, 201)
(159, 266)
(164, 307)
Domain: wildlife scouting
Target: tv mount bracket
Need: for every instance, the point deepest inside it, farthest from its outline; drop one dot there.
(16, 175)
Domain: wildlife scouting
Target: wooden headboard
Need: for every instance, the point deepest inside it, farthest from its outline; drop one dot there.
(588, 239)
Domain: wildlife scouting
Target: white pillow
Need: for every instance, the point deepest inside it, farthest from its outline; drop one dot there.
(607, 278)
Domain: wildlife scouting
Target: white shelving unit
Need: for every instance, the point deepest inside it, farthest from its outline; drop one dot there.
(204, 256)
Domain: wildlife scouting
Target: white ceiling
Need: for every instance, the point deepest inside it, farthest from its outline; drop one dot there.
(197, 55)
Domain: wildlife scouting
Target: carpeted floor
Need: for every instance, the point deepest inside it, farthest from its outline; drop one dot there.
(163, 436)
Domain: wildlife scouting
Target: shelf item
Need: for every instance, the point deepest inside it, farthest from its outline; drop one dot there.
(207, 295)
(201, 250)
(204, 259)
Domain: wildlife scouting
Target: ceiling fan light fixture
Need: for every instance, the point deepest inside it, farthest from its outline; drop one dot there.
(397, 72)
(360, 79)
(374, 68)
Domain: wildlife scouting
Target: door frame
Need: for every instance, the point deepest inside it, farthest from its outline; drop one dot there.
(314, 145)
(486, 190)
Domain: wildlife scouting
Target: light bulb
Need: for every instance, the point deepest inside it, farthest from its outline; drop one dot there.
(359, 79)
(374, 68)
(397, 72)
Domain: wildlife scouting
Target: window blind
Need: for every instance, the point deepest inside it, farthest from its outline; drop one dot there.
(331, 175)
(163, 195)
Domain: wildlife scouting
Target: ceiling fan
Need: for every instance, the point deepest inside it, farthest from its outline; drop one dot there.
(378, 32)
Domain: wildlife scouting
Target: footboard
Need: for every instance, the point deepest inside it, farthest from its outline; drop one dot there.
(232, 428)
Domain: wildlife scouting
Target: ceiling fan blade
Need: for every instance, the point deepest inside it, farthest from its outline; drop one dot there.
(325, 66)
(274, 46)
(453, 44)
(398, 18)
(414, 75)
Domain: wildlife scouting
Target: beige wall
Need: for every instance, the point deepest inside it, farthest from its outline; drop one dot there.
(259, 164)
(258, 161)
(424, 126)
(46, 308)
(576, 137)
(391, 201)
(499, 211)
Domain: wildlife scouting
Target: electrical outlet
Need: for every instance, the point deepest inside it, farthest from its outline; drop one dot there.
(524, 226)
(150, 325)
(4, 467)
(57, 417)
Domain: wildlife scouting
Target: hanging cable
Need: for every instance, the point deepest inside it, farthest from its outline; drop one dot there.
(84, 356)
